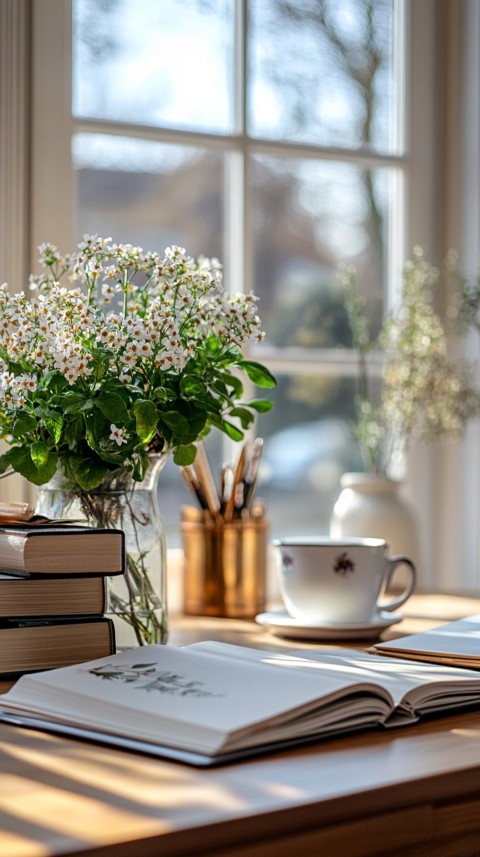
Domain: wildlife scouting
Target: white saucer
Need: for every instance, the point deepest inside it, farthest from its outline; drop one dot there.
(279, 622)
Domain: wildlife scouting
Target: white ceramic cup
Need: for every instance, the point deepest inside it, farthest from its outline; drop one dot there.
(338, 581)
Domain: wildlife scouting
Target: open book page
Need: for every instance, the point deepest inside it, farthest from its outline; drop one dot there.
(415, 688)
(454, 643)
(197, 701)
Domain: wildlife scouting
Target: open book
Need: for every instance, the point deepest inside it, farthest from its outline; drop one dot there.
(213, 702)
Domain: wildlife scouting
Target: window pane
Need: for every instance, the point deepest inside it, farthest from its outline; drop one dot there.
(151, 194)
(306, 218)
(322, 72)
(173, 494)
(165, 63)
(309, 443)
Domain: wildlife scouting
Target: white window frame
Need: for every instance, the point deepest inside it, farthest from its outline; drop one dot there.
(45, 209)
(456, 475)
(14, 167)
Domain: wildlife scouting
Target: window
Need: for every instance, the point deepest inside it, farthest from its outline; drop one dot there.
(283, 137)
(189, 127)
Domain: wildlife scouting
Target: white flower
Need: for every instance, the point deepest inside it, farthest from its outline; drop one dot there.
(128, 360)
(161, 312)
(117, 434)
(144, 348)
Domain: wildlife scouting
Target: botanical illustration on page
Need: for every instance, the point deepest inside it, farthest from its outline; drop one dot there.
(151, 678)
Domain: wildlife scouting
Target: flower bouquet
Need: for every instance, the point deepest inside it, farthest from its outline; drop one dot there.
(115, 356)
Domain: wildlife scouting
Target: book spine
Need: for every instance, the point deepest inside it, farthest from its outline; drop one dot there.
(29, 645)
(45, 597)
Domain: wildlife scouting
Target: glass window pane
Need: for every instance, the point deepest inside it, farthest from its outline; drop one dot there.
(309, 443)
(306, 218)
(323, 72)
(151, 194)
(165, 63)
(173, 493)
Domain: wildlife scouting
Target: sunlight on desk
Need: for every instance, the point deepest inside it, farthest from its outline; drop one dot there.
(467, 733)
(444, 608)
(90, 795)
(411, 790)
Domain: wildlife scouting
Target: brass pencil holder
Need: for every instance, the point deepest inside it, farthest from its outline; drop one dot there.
(224, 564)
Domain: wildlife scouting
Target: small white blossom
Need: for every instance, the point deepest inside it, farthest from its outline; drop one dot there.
(117, 434)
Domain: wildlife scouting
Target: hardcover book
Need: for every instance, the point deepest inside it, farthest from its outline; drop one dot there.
(48, 643)
(51, 596)
(212, 702)
(61, 550)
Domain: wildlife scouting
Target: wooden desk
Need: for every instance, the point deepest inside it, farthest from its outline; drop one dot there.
(411, 792)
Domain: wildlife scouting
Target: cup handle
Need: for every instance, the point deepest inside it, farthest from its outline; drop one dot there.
(393, 563)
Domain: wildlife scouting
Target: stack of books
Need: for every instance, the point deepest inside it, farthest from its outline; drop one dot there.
(53, 596)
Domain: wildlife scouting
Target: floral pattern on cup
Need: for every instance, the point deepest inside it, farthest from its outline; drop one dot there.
(343, 564)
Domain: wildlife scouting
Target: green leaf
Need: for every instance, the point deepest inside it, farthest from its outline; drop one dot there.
(73, 431)
(39, 452)
(163, 395)
(213, 344)
(96, 429)
(192, 387)
(183, 430)
(146, 419)
(175, 421)
(185, 455)
(257, 373)
(232, 431)
(101, 366)
(90, 473)
(221, 389)
(113, 385)
(112, 407)
(106, 455)
(5, 461)
(232, 381)
(262, 406)
(23, 424)
(71, 402)
(55, 382)
(53, 422)
(246, 417)
(196, 425)
(227, 428)
(22, 462)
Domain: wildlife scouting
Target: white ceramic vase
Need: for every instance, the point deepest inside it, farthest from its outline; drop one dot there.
(372, 506)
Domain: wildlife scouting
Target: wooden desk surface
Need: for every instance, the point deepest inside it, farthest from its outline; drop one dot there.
(412, 791)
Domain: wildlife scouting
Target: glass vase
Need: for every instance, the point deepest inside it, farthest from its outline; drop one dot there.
(136, 601)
